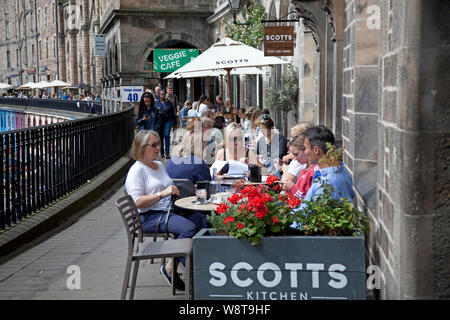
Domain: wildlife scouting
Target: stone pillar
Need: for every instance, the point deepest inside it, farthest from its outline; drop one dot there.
(85, 53)
(338, 63)
(73, 59)
(416, 68)
(329, 77)
(307, 65)
(61, 45)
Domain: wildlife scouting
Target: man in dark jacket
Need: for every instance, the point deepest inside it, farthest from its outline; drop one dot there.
(168, 120)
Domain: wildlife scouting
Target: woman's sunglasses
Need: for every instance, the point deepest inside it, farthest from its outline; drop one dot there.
(153, 145)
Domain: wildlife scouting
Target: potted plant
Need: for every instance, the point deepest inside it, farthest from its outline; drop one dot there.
(253, 253)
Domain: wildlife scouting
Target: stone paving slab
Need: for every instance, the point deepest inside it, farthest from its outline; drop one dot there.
(97, 244)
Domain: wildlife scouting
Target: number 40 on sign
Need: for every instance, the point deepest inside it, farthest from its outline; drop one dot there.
(131, 94)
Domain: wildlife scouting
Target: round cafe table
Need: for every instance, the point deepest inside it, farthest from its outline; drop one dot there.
(186, 204)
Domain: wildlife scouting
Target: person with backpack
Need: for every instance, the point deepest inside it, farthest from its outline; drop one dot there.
(168, 120)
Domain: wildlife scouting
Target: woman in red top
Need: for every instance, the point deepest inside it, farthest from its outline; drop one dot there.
(305, 177)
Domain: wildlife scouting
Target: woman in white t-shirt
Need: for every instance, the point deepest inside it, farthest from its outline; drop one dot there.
(150, 186)
(202, 105)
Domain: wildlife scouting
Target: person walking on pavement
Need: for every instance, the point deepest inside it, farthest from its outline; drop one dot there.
(157, 93)
(174, 99)
(168, 120)
(148, 117)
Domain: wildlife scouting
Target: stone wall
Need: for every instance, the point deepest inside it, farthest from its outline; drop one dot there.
(395, 130)
(397, 140)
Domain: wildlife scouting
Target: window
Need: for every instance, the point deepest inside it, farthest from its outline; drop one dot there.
(8, 59)
(39, 18)
(26, 55)
(40, 51)
(45, 17)
(17, 57)
(33, 58)
(6, 6)
(54, 47)
(53, 14)
(46, 48)
(6, 29)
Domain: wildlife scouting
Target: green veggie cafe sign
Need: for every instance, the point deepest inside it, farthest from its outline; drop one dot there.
(170, 60)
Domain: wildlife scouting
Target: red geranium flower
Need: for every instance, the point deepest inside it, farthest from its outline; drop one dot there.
(240, 225)
(275, 220)
(271, 179)
(235, 197)
(228, 219)
(222, 208)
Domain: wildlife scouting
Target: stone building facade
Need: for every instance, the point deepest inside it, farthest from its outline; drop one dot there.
(32, 44)
(133, 29)
(78, 23)
(377, 73)
(28, 41)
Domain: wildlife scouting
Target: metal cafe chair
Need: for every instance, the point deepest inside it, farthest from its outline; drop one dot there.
(155, 235)
(152, 250)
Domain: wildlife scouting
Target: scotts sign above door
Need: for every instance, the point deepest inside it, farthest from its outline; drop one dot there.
(170, 60)
(279, 41)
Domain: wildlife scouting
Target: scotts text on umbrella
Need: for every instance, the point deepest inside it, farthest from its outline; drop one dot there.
(232, 61)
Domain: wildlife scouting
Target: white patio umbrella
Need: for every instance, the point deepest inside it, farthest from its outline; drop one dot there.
(214, 73)
(57, 83)
(42, 84)
(26, 86)
(5, 86)
(228, 54)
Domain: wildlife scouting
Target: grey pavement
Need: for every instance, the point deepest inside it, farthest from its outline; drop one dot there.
(97, 244)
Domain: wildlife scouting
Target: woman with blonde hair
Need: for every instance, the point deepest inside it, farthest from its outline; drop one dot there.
(233, 145)
(151, 188)
(188, 163)
(291, 167)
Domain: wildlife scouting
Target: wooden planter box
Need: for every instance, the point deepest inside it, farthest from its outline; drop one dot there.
(281, 268)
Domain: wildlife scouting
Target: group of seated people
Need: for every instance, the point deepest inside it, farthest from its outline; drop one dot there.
(252, 142)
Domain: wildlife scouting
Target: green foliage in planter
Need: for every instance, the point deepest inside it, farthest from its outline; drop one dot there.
(252, 34)
(254, 212)
(327, 216)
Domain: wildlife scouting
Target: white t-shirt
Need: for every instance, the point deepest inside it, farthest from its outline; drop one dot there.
(143, 180)
(192, 113)
(295, 167)
(202, 108)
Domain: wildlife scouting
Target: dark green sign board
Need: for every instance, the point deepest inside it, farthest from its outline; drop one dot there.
(170, 60)
(280, 268)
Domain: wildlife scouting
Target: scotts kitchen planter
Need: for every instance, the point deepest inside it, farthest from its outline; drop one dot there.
(280, 268)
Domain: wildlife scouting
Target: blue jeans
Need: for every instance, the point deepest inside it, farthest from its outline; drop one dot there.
(176, 224)
(167, 126)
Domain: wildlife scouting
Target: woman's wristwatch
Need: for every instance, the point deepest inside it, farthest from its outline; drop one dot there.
(159, 195)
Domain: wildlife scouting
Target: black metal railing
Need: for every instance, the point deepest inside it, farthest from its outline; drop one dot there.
(43, 164)
(59, 104)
